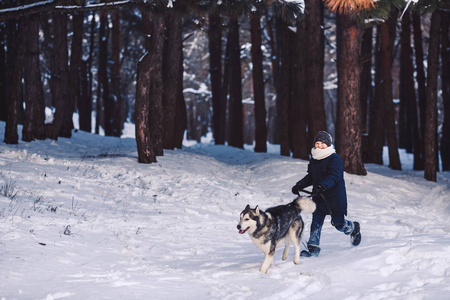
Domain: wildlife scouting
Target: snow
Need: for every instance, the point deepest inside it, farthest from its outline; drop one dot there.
(81, 219)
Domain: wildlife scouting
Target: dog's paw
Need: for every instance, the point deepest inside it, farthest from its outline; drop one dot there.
(296, 260)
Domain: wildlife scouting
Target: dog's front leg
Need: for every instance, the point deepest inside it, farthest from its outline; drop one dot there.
(269, 250)
(286, 251)
(296, 253)
(268, 261)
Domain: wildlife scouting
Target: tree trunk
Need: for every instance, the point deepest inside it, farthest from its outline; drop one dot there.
(76, 62)
(376, 125)
(431, 148)
(144, 141)
(304, 140)
(258, 85)
(365, 93)
(445, 77)
(3, 75)
(117, 103)
(298, 112)
(33, 127)
(107, 102)
(224, 90)
(420, 77)
(386, 49)
(235, 137)
(60, 79)
(173, 73)
(215, 69)
(410, 131)
(180, 111)
(149, 91)
(366, 75)
(15, 83)
(85, 103)
(273, 25)
(283, 94)
(405, 138)
(314, 68)
(348, 137)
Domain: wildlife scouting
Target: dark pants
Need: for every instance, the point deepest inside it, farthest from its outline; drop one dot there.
(338, 221)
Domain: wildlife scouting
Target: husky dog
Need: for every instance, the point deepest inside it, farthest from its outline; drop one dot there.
(277, 225)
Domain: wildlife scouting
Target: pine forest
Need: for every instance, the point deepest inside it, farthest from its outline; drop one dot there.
(374, 74)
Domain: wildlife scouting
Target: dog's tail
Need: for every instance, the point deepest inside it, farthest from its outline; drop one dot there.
(305, 204)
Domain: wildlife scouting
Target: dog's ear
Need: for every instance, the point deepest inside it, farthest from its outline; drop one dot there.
(257, 210)
(248, 206)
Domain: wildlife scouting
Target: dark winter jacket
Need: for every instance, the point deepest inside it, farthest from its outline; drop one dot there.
(329, 173)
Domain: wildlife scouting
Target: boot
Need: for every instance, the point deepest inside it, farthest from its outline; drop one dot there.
(312, 251)
(355, 236)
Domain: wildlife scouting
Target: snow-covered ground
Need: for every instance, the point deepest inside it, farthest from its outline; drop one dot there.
(81, 219)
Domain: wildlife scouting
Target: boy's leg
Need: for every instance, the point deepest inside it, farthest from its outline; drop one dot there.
(341, 224)
(316, 230)
(314, 238)
(347, 227)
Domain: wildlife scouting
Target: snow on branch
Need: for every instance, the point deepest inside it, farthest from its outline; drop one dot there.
(41, 6)
(23, 10)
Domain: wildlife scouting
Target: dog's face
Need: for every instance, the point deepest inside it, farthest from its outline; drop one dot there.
(249, 220)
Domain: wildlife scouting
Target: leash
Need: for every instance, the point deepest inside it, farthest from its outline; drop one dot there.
(311, 195)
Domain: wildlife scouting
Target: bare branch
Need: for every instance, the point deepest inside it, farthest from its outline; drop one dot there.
(48, 5)
(24, 10)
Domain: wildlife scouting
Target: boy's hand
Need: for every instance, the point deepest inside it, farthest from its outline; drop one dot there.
(318, 190)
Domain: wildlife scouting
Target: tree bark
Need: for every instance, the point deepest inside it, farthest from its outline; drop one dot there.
(366, 75)
(376, 125)
(405, 138)
(105, 110)
(215, 69)
(85, 103)
(283, 94)
(445, 77)
(298, 116)
(180, 110)
(76, 62)
(149, 91)
(258, 85)
(235, 137)
(60, 79)
(430, 140)
(410, 130)
(314, 68)
(225, 87)
(348, 137)
(3, 75)
(33, 127)
(301, 141)
(173, 57)
(421, 83)
(117, 103)
(386, 49)
(15, 83)
(273, 29)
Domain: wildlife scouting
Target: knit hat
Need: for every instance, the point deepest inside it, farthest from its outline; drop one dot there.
(324, 137)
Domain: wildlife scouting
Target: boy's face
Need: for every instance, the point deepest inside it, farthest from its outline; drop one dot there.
(320, 145)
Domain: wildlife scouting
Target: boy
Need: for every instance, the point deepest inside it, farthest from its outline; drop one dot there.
(326, 175)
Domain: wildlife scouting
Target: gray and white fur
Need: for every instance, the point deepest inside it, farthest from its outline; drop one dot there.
(277, 225)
